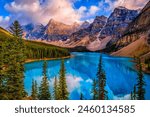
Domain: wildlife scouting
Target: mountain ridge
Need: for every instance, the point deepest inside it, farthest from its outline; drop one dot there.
(137, 31)
(102, 33)
(54, 30)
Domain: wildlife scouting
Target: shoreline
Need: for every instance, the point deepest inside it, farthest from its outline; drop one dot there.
(143, 67)
(35, 60)
(66, 57)
(143, 64)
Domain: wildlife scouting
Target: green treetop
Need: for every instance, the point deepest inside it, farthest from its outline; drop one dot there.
(102, 93)
(16, 29)
(140, 82)
(34, 92)
(56, 89)
(63, 91)
(44, 92)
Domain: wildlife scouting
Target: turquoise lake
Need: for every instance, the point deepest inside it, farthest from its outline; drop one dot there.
(82, 68)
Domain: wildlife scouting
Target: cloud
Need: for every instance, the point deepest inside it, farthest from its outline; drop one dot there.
(82, 10)
(35, 11)
(4, 21)
(125, 97)
(89, 81)
(130, 4)
(86, 13)
(107, 6)
(73, 82)
(93, 10)
(42, 11)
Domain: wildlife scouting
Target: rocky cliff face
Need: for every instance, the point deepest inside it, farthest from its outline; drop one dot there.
(141, 23)
(97, 25)
(114, 28)
(103, 31)
(34, 32)
(53, 31)
(84, 25)
(59, 31)
(86, 35)
(137, 31)
(118, 22)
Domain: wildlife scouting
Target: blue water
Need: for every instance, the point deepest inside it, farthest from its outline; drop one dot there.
(82, 68)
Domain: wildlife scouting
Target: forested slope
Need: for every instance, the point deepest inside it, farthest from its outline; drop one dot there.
(36, 50)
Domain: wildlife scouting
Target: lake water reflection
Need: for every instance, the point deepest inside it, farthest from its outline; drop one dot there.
(82, 68)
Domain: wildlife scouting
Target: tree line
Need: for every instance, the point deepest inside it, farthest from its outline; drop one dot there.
(36, 50)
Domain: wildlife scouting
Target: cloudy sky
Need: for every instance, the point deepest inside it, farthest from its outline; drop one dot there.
(66, 11)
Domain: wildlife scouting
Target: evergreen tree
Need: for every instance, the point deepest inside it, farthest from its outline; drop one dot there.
(94, 90)
(56, 89)
(16, 29)
(34, 92)
(102, 93)
(1, 73)
(134, 93)
(36, 89)
(44, 92)
(140, 82)
(148, 40)
(13, 69)
(131, 95)
(63, 91)
(81, 96)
